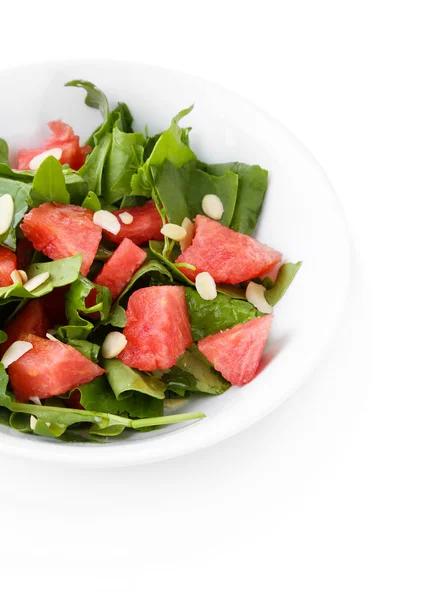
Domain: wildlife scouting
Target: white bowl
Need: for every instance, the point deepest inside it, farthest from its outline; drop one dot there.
(302, 218)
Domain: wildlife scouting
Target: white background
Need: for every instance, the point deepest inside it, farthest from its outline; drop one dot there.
(331, 495)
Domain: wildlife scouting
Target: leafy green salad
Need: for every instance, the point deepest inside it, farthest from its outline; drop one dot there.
(130, 282)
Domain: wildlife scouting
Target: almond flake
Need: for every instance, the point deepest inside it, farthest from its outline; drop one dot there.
(206, 287)
(51, 337)
(174, 232)
(35, 400)
(33, 422)
(37, 160)
(14, 352)
(113, 344)
(189, 228)
(23, 276)
(16, 277)
(36, 281)
(213, 207)
(126, 218)
(107, 220)
(6, 212)
(255, 294)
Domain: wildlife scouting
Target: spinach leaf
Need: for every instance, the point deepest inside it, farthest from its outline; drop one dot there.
(76, 186)
(49, 183)
(211, 316)
(194, 373)
(79, 328)
(286, 274)
(124, 157)
(252, 186)
(92, 170)
(4, 152)
(62, 272)
(20, 193)
(157, 249)
(92, 202)
(124, 380)
(4, 416)
(87, 349)
(99, 396)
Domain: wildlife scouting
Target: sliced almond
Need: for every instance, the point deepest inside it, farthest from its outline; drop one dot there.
(213, 207)
(33, 422)
(107, 220)
(126, 218)
(23, 276)
(174, 232)
(16, 277)
(14, 352)
(206, 287)
(113, 344)
(6, 212)
(36, 281)
(51, 337)
(35, 400)
(255, 294)
(189, 228)
(37, 160)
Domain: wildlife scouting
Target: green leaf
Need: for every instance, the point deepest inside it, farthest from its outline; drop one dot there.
(20, 422)
(92, 202)
(4, 152)
(76, 186)
(4, 416)
(92, 170)
(20, 193)
(62, 272)
(123, 160)
(95, 98)
(211, 316)
(79, 328)
(171, 144)
(3, 337)
(194, 373)
(157, 249)
(124, 380)
(286, 274)
(252, 186)
(49, 183)
(87, 349)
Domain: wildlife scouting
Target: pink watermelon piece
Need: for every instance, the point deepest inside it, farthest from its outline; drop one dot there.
(236, 352)
(229, 256)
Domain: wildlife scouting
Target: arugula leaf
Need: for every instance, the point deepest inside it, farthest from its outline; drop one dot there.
(286, 274)
(124, 380)
(194, 373)
(20, 193)
(79, 328)
(95, 98)
(62, 272)
(157, 248)
(92, 170)
(76, 186)
(211, 316)
(124, 157)
(4, 152)
(252, 186)
(49, 183)
(4, 416)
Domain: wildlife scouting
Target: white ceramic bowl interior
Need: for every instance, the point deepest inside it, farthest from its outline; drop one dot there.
(301, 217)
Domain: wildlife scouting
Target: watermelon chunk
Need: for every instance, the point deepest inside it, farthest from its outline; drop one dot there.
(236, 352)
(8, 263)
(31, 319)
(54, 305)
(62, 230)
(49, 369)
(62, 137)
(229, 256)
(157, 329)
(146, 225)
(120, 267)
